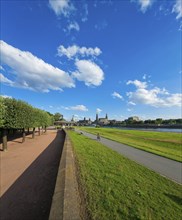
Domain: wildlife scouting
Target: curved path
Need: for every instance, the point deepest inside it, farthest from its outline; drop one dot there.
(165, 167)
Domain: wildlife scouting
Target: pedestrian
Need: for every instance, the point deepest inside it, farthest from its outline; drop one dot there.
(98, 136)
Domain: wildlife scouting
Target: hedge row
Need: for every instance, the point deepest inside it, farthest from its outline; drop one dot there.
(16, 114)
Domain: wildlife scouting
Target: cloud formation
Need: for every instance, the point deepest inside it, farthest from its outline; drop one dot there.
(61, 7)
(6, 96)
(98, 110)
(154, 97)
(137, 83)
(31, 72)
(145, 4)
(131, 103)
(76, 108)
(1, 68)
(85, 14)
(117, 95)
(73, 26)
(73, 51)
(89, 72)
(177, 8)
(5, 80)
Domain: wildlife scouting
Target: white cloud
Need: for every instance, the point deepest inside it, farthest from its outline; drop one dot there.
(98, 110)
(78, 117)
(74, 26)
(33, 73)
(79, 108)
(85, 16)
(6, 96)
(137, 83)
(145, 4)
(75, 50)
(61, 7)
(5, 80)
(1, 68)
(116, 95)
(144, 77)
(66, 108)
(76, 108)
(131, 103)
(154, 97)
(177, 8)
(88, 72)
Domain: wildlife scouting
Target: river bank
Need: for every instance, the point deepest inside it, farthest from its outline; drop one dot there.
(158, 129)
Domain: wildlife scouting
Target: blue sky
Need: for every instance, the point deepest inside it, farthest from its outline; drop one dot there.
(81, 57)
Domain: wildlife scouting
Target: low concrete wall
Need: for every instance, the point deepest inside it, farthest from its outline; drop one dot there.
(66, 200)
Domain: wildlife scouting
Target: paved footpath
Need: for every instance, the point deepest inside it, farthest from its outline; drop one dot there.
(165, 167)
(28, 174)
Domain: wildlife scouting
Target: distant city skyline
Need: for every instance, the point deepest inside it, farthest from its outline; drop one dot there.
(80, 58)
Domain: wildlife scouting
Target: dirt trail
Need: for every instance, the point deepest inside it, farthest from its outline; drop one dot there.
(28, 173)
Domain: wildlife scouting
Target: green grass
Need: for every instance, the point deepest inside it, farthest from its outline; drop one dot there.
(117, 188)
(165, 144)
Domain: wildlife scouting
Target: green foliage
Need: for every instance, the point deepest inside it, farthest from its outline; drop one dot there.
(163, 121)
(117, 188)
(58, 116)
(19, 114)
(2, 111)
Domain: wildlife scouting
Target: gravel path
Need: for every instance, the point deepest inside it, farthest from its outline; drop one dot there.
(166, 167)
(28, 176)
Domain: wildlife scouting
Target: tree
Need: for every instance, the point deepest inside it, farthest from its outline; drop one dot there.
(158, 121)
(2, 117)
(179, 121)
(58, 116)
(2, 112)
(16, 114)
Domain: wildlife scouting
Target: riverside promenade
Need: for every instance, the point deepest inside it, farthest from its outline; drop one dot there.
(28, 174)
(169, 168)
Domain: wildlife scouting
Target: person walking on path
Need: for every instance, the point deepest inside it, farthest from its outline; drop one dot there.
(98, 136)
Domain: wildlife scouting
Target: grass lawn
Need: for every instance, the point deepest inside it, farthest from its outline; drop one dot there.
(161, 143)
(117, 188)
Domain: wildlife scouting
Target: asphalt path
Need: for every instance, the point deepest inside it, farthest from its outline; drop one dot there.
(169, 168)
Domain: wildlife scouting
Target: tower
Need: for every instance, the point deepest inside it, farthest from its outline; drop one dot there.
(97, 118)
(73, 118)
(106, 116)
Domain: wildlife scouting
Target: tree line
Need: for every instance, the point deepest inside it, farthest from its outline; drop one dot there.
(157, 121)
(17, 115)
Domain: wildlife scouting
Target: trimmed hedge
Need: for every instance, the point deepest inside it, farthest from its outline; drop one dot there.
(17, 114)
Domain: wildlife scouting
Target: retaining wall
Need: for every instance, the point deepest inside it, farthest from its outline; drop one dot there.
(66, 200)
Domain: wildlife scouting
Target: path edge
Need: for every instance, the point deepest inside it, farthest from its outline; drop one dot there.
(66, 200)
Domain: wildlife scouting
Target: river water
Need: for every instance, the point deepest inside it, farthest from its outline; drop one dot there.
(175, 130)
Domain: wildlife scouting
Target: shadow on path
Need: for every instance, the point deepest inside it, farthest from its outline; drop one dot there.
(30, 196)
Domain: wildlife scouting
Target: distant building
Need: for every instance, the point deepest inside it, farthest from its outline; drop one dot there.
(102, 121)
(64, 123)
(97, 118)
(84, 122)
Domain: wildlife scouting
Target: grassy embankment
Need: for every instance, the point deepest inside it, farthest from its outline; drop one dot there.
(161, 143)
(118, 188)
